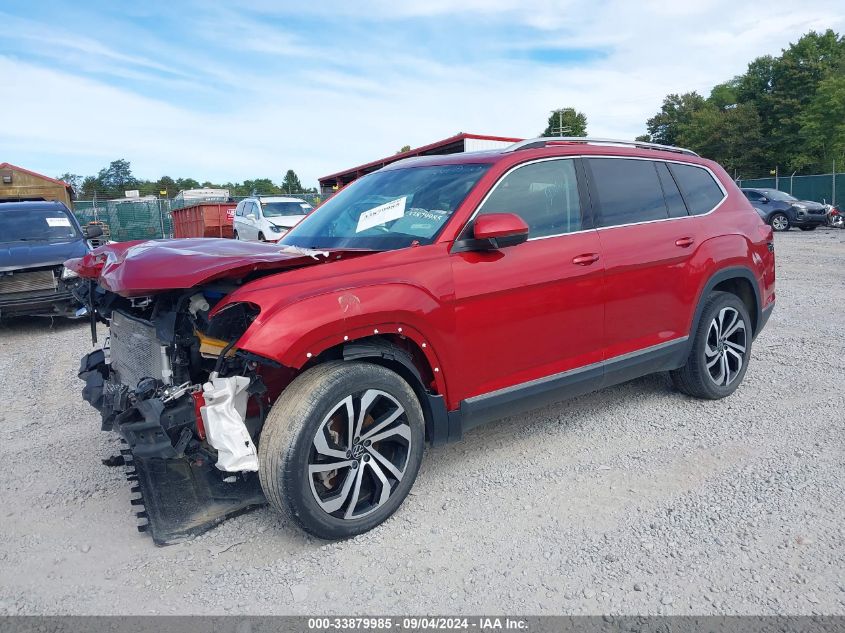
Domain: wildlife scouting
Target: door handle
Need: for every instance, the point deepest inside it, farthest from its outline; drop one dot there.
(586, 259)
(684, 242)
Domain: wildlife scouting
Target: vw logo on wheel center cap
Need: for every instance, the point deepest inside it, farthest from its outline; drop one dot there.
(357, 451)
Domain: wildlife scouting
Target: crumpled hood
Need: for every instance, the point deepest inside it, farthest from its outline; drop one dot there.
(146, 267)
(17, 255)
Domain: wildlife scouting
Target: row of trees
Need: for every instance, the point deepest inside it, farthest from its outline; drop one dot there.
(113, 181)
(786, 111)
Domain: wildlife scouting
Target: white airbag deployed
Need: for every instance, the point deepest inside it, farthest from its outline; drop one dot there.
(223, 416)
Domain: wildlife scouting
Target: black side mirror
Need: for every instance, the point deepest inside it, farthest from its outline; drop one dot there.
(93, 231)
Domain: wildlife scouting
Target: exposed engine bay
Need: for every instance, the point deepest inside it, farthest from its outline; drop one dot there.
(187, 404)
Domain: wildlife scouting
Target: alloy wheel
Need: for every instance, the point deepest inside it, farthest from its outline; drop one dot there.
(359, 454)
(780, 223)
(726, 345)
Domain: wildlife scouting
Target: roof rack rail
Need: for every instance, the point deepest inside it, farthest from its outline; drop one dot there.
(533, 143)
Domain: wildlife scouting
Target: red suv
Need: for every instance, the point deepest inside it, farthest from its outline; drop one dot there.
(421, 301)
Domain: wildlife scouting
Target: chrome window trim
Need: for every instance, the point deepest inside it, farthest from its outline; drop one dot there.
(600, 228)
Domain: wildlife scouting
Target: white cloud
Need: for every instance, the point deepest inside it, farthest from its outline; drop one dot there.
(323, 106)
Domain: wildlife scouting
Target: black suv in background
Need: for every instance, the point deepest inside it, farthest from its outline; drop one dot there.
(35, 240)
(783, 211)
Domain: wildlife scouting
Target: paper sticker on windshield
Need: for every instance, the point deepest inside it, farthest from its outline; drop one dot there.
(57, 222)
(383, 213)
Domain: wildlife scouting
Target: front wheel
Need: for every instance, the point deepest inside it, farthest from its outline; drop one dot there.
(720, 352)
(779, 222)
(341, 448)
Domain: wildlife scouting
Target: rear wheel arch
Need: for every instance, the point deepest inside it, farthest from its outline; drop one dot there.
(739, 281)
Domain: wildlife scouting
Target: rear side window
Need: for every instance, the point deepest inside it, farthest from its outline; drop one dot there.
(700, 190)
(628, 191)
(674, 201)
(544, 194)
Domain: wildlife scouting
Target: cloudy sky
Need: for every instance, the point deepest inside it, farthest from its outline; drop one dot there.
(250, 89)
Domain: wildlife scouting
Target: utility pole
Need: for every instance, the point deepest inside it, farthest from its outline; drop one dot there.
(833, 187)
(560, 130)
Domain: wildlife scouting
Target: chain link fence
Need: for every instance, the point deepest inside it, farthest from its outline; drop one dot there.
(825, 188)
(146, 219)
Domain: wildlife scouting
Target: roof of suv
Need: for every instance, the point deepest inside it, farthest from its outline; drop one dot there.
(548, 147)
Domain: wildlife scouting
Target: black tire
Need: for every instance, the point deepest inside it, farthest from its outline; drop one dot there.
(696, 378)
(808, 228)
(261, 237)
(313, 406)
(235, 235)
(779, 222)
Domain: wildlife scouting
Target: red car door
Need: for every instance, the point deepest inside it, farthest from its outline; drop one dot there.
(535, 310)
(647, 239)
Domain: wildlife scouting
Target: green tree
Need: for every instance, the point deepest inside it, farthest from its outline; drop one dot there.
(403, 149)
(731, 136)
(74, 180)
(566, 122)
(89, 187)
(666, 126)
(260, 187)
(291, 183)
(823, 124)
(183, 184)
(116, 179)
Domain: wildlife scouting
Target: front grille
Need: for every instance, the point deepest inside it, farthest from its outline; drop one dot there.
(135, 350)
(27, 281)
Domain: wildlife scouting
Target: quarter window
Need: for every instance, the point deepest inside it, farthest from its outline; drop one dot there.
(628, 191)
(701, 192)
(544, 194)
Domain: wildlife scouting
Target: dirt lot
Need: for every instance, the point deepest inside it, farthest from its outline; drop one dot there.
(631, 500)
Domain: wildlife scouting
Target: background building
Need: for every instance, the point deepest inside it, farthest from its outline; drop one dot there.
(454, 144)
(17, 183)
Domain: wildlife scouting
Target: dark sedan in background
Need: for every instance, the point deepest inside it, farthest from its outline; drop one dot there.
(783, 211)
(36, 238)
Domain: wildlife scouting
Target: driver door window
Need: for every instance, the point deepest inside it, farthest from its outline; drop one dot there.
(544, 194)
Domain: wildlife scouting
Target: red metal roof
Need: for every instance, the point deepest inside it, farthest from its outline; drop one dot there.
(33, 173)
(417, 151)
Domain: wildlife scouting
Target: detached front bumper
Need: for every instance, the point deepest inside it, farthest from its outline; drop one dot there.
(180, 492)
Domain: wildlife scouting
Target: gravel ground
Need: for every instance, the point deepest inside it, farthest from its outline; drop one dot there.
(631, 500)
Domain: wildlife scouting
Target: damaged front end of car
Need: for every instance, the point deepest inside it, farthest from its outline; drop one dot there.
(187, 403)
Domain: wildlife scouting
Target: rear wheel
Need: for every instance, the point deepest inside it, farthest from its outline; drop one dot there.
(261, 237)
(236, 236)
(720, 351)
(341, 448)
(779, 222)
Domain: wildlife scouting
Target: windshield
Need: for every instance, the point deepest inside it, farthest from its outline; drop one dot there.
(36, 225)
(390, 209)
(774, 194)
(278, 209)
